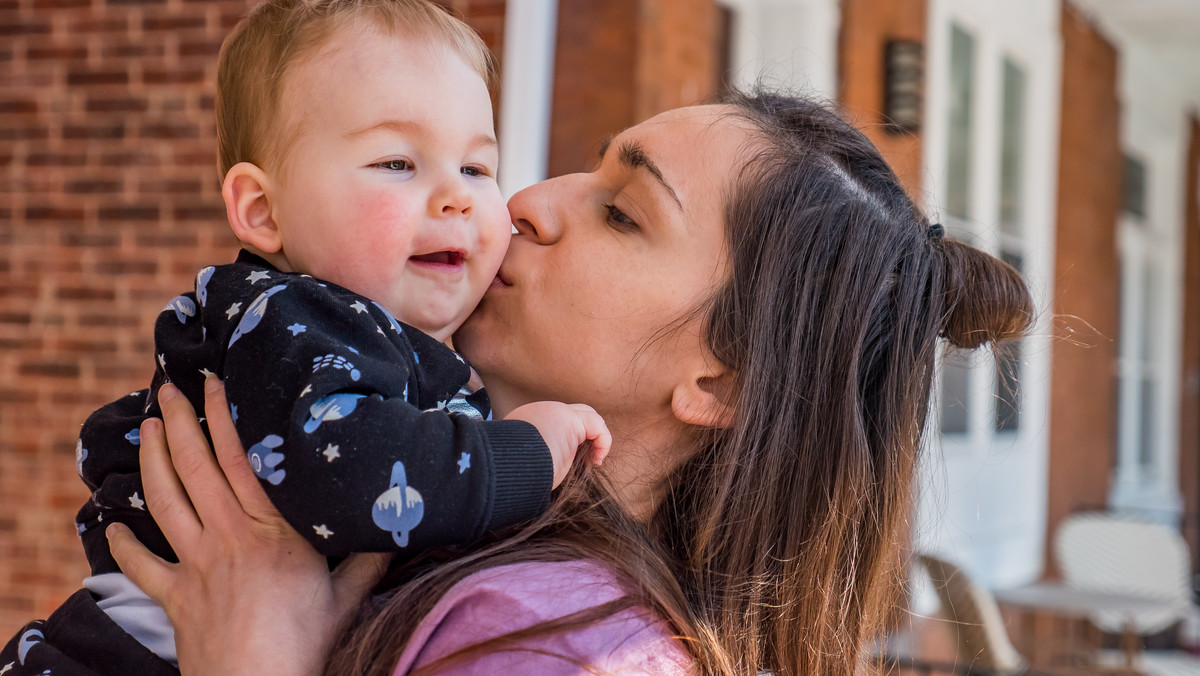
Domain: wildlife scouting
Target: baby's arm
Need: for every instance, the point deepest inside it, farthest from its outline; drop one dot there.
(355, 450)
(564, 428)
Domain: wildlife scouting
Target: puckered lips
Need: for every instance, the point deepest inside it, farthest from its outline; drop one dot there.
(440, 261)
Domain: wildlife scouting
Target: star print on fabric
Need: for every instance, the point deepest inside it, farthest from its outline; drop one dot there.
(464, 463)
(297, 329)
(379, 331)
(162, 361)
(307, 390)
(233, 310)
(257, 276)
(206, 373)
(136, 502)
(323, 531)
(359, 308)
(7, 668)
(459, 358)
(233, 412)
(331, 452)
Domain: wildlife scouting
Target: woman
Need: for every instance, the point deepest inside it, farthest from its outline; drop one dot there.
(750, 299)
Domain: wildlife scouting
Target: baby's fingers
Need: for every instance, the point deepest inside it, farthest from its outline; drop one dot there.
(150, 573)
(595, 430)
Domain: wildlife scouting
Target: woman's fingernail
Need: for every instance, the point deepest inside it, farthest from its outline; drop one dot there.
(211, 383)
(167, 392)
(112, 531)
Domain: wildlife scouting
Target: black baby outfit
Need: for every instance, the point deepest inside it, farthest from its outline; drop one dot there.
(361, 428)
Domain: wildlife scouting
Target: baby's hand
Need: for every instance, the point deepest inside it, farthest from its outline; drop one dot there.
(564, 428)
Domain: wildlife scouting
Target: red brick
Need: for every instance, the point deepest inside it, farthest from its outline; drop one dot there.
(123, 104)
(81, 78)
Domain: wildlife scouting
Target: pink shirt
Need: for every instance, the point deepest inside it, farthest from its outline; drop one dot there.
(506, 598)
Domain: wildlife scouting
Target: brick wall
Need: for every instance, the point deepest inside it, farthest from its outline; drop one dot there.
(109, 203)
(867, 26)
(1083, 394)
(619, 62)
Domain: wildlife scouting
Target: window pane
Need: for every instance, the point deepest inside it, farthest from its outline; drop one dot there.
(1008, 387)
(1011, 156)
(1149, 324)
(962, 91)
(1146, 426)
(956, 381)
(1135, 187)
(1008, 370)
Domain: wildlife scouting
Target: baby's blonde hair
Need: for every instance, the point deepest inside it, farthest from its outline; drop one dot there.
(276, 35)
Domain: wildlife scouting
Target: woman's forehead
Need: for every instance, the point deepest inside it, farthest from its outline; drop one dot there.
(698, 149)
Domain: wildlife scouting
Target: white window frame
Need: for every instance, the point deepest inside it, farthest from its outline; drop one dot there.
(972, 482)
(790, 44)
(1154, 131)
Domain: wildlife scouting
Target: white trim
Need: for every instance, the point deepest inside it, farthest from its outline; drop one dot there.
(984, 493)
(1154, 129)
(527, 85)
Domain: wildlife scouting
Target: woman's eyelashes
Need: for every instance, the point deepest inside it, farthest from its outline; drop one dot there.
(618, 219)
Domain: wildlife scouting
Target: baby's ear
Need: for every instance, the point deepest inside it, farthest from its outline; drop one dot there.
(706, 398)
(246, 191)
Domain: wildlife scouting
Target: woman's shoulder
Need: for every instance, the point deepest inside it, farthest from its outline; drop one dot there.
(498, 601)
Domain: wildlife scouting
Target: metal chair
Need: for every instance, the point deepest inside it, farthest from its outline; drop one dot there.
(1098, 551)
(982, 640)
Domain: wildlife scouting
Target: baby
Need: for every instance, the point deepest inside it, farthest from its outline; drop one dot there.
(359, 162)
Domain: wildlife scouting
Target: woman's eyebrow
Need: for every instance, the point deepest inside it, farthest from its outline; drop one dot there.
(633, 156)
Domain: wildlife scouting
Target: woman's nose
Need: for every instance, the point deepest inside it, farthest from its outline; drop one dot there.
(537, 210)
(451, 197)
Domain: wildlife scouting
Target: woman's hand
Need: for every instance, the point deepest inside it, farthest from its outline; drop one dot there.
(249, 595)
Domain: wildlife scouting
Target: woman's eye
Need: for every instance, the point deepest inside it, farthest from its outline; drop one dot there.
(394, 165)
(618, 219)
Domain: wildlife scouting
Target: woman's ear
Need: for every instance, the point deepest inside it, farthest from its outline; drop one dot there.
(706, 399)
(247, 194)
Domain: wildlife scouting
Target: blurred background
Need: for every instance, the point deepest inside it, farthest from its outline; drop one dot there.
(1061, 135)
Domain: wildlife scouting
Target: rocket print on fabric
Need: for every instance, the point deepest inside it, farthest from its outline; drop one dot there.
(400, 508)
(264, 459)
(333, 407)
(254, 313)
(202, 278)
(183, 307)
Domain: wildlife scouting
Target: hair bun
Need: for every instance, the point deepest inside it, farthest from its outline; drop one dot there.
(986, 299)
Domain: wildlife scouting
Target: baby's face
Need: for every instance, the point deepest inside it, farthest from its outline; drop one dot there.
(388, 187)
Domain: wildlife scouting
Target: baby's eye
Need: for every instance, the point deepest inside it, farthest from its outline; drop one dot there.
(394, 165)
(474, 170)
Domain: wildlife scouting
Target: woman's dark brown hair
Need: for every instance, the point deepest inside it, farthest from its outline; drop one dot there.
(779, 542)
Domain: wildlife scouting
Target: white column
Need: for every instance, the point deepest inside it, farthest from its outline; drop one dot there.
(527, 83)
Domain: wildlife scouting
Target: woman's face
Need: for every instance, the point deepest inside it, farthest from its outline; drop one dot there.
(588, 302)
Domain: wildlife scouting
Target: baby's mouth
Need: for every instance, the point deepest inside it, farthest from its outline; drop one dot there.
(451, 258)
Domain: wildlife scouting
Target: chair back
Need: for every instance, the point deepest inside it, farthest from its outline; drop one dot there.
(983, 643)
(1101, 552)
